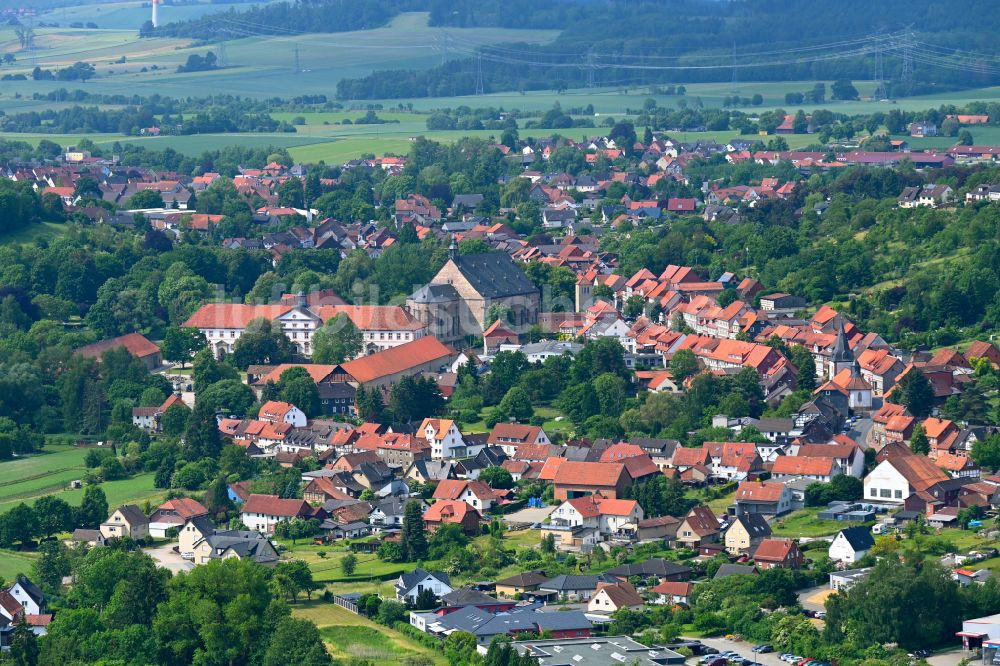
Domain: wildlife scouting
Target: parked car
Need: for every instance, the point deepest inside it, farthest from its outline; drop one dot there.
(763, 649)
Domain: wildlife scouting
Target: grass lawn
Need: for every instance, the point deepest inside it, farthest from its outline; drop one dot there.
(34, 232)
(803, 523)
(13, 562)
(328, 567)
(348, 635)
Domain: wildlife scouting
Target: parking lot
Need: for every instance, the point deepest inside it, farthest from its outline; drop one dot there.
(743, 648)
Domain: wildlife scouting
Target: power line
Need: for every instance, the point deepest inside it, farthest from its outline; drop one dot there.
(479, 75)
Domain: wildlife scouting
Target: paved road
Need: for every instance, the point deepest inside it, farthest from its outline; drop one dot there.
(859, 431)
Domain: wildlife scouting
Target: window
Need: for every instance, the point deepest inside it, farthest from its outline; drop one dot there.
(899, 494)
(874, 492)
(884, 492)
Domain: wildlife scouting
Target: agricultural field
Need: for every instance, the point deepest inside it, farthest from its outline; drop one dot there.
(13, 562)
(130, 15)
(351, 636)
(254, 66)
(50, 473)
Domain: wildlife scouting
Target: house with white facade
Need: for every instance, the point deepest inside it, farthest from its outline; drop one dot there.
(445, 439)
(895, 479)
(274, 411)
(410, 585)
(263, 512)
(607, 516)
(851, 544)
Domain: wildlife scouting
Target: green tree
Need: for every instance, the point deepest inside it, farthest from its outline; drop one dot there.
(919, 442)
(17, 526)
(180, 343)
(23, 645)
(338, 340)
(460, 648)
(230, 396)
(297, 387)
(611, 391)
(986, 452)
(497, 477)
(414, 533)
(262, 343)
(349, 564)
(201, 436)
(915, 392)
(683, 364)
(175, 419)
(93, 508)
(296, 642)
(516, 404)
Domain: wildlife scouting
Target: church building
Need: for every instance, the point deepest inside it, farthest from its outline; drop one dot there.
(455, 303)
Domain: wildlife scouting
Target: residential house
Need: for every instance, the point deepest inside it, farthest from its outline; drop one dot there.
(476, 494)
(521, 583)
(445, 438)
(454, 512)
(698, 527)
(652, 568)
(410, 585)
(672, 593)
(172, 514)
(200, 541)
(745, 532)
(778, 553)
(274, 411)
(263, 512)
(575, 587)
(816, 469)
(768, 498)
(126, 521)
(851, 544)
(509, 436)
(611, 597)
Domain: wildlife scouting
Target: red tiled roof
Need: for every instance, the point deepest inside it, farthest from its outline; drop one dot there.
(272, 505)
(449, 511)
(774, 550)
(135, 343)
(620, 451)
(756, 491)
(316, 371)
(673, 588)
(576, 473)
(233, 315)
(513, 431)
(397, 359)
(185, 507)
(802, 466)
(373, 317)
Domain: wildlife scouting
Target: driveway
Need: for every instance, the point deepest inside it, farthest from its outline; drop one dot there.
(166, 558)
(529, 516)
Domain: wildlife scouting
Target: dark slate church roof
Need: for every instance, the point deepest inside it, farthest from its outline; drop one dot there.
(494, 275)
(435, 293)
